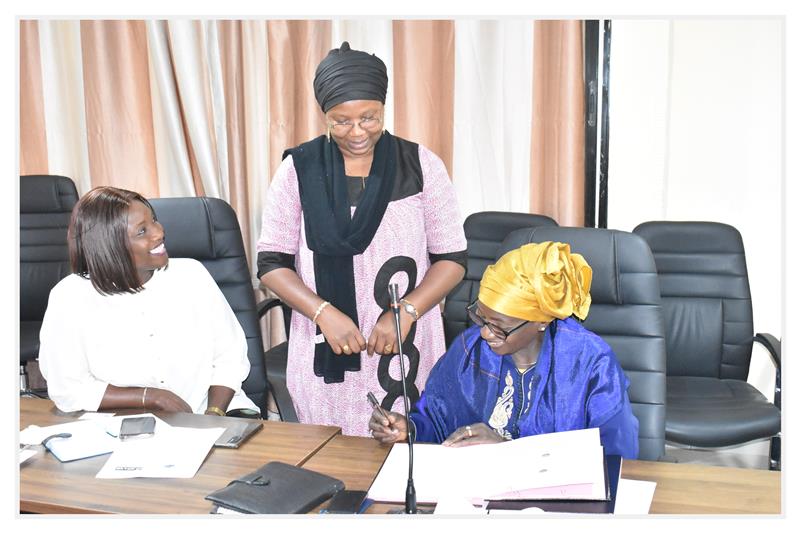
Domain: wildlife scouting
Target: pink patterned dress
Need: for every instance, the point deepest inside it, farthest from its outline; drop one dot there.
(420, 221)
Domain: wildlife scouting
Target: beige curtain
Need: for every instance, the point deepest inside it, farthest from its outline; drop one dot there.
(183, 107)
(424, 73)
(118, 108)
(33, 140)
(557, 137)
(295, 49)
(231, 55)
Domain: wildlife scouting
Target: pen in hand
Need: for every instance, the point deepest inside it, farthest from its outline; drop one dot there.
(374, 401)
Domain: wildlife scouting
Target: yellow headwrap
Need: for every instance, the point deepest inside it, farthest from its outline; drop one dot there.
(538, 282)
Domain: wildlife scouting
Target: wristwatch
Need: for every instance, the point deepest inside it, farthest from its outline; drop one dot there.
(410, 309)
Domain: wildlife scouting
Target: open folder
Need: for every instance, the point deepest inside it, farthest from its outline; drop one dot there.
(556, 466)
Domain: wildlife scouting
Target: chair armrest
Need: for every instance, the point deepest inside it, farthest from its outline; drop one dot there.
(275, 359)
(265, 305)
(773, 346)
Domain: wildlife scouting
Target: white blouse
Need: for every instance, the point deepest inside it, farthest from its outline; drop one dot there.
(179, 334)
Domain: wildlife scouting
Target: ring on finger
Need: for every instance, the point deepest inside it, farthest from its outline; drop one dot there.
(469, 431)
(387, 348)
(346, 348)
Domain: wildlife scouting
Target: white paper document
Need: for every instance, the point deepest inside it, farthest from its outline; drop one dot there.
(634, 497)
(24, 455)
(172, 452)
(86, 439)
(566, 465)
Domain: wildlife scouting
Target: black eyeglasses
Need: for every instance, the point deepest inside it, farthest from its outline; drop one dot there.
(501, 334)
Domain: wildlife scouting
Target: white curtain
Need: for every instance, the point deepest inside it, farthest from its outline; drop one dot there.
(62, 84)
(172, 156)
(492, 133)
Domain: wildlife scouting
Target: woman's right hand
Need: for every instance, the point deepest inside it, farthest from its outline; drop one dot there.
(388, 430)
(164, 400)
(341, 332)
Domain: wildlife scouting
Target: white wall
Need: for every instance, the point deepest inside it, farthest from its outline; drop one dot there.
(696, 122)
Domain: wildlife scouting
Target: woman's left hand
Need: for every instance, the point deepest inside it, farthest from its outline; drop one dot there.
(383, 339)
(472, 434)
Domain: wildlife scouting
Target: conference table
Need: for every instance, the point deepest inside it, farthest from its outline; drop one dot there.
(49, 486)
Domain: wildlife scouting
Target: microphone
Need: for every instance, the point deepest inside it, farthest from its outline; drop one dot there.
(411, 492)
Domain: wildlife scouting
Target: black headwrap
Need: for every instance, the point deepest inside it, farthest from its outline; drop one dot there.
(346, 75)
(334, 236)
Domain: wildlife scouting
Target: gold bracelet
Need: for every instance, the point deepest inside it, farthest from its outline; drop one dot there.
(215, 411)
(144, 397)
(322, 306)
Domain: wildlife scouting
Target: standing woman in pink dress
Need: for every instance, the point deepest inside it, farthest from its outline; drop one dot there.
(347, 214)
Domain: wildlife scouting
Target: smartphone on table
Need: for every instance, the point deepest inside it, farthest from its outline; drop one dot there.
(137, 427)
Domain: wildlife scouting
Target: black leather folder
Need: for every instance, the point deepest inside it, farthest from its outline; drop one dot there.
(613, 466)
(276, 488)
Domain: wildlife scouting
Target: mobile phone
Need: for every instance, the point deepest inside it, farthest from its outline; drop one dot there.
(346, 502)
(138, 427)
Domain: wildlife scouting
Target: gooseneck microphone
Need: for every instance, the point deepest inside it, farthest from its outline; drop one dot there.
(411, 493)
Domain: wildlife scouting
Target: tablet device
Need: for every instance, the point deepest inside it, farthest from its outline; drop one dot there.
(237, 430)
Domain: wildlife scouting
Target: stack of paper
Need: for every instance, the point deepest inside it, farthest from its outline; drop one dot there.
(171, 452)
(566, 465)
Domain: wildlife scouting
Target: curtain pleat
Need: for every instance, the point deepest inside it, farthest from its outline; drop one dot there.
(492, 119)
(295, 49)
(175, 176)
(424, 72)
(192, 62)
(118, 108)
(230, 45)
(204, 107)
(557, 139)
(33, 140)
(64, 103)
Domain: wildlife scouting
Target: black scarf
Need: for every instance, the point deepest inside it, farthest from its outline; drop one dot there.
(333, 236)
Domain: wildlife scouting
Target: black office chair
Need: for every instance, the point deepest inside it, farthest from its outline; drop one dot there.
(276, 360)
(485, 232)
(625, 312)
(206, 229)
(45, 206)
(709, 326)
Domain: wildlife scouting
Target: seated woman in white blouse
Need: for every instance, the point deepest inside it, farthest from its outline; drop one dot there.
(126, 331)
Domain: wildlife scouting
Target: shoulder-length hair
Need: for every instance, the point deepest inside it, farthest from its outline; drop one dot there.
(98, 240)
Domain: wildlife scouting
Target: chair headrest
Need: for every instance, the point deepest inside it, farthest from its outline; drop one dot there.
(202, 228)
(610, 253)
(690, 237)
(46, 194)
(494, 225)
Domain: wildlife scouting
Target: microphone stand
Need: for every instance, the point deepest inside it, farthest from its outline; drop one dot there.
(411, 492)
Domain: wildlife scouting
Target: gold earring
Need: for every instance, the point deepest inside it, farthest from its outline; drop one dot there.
(328, 133)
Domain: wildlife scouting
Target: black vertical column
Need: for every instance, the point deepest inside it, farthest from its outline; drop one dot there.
(602, 208)
(591, 41)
